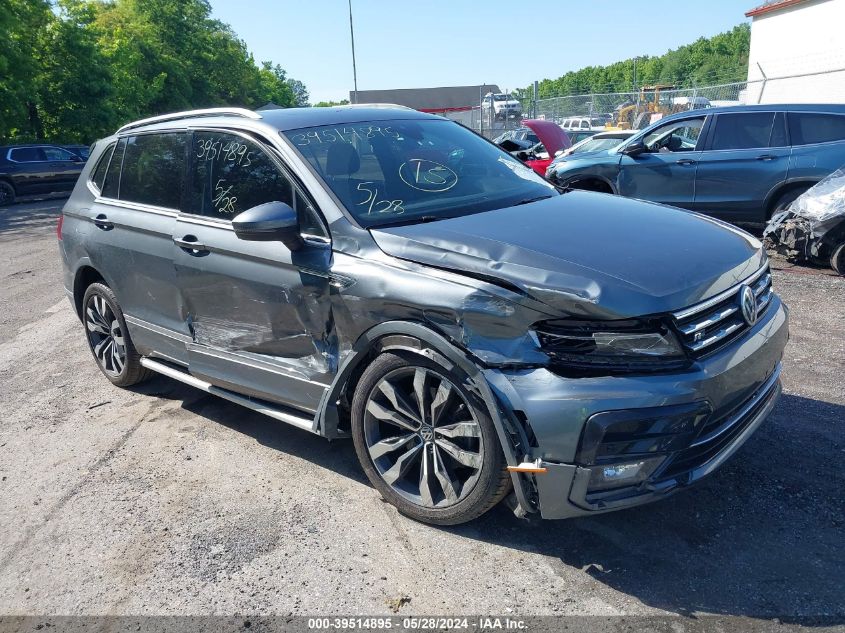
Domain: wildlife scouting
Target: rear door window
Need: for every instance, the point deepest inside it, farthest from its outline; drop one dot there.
(747, 130)
(56, 153)
(153, 169)
(807, 128)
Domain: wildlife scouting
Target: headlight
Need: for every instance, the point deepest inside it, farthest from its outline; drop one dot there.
(617, 346)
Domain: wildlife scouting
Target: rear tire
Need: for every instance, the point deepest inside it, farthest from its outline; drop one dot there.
(108, 337)
(438, 463)
(7, 194)
(784, 200)
(837, 259)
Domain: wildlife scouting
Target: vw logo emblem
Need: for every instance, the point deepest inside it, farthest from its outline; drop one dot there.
(427, 433)
(748, 304)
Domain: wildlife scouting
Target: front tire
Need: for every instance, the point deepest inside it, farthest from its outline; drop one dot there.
(425, 442)
(108, 337)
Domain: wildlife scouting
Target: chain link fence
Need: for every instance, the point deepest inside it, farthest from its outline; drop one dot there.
(638, 109)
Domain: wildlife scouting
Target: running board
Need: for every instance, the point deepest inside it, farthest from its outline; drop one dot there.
(304, 423)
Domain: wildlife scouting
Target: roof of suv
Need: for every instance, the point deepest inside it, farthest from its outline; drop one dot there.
(781, 107)
(284, 119)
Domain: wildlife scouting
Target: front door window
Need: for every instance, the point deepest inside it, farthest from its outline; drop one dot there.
(678, 136)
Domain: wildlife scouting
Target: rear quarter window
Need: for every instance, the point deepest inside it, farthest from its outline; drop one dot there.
(807, 128)
(98, 176)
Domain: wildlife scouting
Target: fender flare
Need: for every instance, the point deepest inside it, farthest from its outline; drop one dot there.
(415, 338)
(588, 176)
(85, 262)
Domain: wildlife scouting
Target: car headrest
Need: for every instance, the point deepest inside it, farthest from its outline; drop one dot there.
(342, 159)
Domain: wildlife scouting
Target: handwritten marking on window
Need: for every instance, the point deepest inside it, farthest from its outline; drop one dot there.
(426, 175)
(379, 206)
(345, 134)
(228, 152)
(223, 201)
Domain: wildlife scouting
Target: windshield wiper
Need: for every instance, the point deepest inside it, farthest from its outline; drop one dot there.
(422, 219)
(530, 200)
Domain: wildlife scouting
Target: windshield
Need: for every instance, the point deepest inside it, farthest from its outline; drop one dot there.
(501, 97)
(596, 145)
(397, 172)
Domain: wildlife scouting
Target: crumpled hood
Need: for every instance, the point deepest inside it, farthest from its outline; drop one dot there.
(588, 254)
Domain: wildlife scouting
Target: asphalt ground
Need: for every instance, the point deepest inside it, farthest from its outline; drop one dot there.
(165, 500)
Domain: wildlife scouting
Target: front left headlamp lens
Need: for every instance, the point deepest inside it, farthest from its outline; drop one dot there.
(630, 345)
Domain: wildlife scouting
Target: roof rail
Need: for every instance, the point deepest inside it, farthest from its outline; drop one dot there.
(377, 105)
(175, 116)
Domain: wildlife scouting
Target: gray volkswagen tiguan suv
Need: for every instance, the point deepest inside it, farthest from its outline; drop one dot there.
(387, 275)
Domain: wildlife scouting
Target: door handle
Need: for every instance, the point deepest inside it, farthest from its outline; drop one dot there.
(190, 244)
(685, 161)
(102, 222)
(766, 157)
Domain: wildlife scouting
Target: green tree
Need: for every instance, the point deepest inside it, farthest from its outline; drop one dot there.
(74, 82)
(20, 23)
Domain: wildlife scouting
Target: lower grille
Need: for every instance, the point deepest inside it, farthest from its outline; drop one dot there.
(718, 433)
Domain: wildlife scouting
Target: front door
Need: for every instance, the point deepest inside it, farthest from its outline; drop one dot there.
(665, 172)
(746, 158)
(258, 312)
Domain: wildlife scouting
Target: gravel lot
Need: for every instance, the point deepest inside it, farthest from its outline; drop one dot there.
(165, 500)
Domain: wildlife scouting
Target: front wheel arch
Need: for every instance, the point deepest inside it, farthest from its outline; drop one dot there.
(412, 337)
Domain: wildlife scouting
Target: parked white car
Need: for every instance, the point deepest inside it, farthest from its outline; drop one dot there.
(502, 105)
(583, 123)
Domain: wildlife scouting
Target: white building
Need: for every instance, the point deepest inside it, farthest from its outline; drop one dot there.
(797, 52)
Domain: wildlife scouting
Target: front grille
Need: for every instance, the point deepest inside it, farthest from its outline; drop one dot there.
(718, 433)
(712, 324)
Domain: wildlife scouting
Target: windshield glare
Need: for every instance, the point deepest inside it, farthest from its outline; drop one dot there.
(597, 144)
(389, 172)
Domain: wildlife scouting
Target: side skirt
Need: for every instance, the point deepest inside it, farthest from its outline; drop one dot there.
(264, 408)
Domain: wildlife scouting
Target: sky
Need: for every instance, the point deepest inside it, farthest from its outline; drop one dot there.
(428, 43)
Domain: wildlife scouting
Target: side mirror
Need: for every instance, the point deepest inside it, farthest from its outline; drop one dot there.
(269, 222)
(634, 149)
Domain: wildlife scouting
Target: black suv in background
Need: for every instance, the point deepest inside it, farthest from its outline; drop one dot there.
(27, 170)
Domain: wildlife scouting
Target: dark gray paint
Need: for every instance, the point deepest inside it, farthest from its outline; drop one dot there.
(293, 327)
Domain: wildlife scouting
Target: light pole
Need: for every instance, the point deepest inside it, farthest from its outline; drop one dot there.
(354, 70)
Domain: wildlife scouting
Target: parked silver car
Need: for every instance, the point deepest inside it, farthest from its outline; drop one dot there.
(390, 276)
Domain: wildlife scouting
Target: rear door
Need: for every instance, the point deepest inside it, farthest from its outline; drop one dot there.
(818, 145)
(134, 215)
(665, 172)
(258, 312)
(745, 158)
(65, 166)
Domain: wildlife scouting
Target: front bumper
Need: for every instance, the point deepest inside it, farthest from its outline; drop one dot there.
(739, 384)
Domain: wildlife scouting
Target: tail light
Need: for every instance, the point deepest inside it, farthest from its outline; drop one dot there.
(59, 226)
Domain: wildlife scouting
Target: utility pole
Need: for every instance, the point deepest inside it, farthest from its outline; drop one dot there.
(354, 70)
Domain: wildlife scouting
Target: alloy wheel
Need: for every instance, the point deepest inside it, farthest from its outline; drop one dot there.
(105, 335)
(423, 437)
